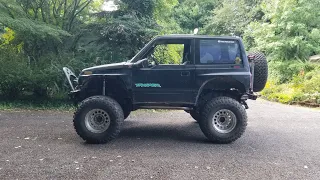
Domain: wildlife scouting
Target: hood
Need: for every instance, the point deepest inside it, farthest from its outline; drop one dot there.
(103, 68)
(106, 66)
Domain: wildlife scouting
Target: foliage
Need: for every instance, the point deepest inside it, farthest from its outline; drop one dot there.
(35, 36)
(39, 37)
(285, 71)
(304, 86)
(191, 14)
(169, 54)
(166, 21)
(120, 34)
(36, 104)
(60, 13)
(233, 16)
(14, 68)
(290, 30)
(19, 78)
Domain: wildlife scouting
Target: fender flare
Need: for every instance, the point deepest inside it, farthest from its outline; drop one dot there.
(220, 83)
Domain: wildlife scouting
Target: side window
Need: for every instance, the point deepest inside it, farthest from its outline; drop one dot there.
(168, 53)
(173, 52)
(219, 52)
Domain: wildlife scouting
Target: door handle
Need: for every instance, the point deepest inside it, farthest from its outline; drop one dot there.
(185, 73)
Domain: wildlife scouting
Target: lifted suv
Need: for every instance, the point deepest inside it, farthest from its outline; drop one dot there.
(209, 77)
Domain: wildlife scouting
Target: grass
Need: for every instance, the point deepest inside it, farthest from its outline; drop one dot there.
(60, 105)
(56, 105)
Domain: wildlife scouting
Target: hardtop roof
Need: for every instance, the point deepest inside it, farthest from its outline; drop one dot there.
(192, 36)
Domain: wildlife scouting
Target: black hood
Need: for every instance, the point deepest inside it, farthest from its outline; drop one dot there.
(104, 68)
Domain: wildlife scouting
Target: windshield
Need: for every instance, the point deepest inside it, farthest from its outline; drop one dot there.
(141, 52)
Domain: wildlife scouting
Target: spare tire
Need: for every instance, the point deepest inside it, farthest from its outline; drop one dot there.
(260, 75)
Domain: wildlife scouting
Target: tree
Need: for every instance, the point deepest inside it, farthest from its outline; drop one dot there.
(290, 29)
(60, 13)
(31, 33)
(191, 14)
(118, 35)
(233, 16)
(163, 15)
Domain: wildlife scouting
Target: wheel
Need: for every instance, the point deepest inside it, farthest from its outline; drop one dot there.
(224, 120)
(98, 119)
(195, 115)
(260, 76)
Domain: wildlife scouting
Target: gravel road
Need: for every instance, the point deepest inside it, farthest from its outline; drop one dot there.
(281, 142)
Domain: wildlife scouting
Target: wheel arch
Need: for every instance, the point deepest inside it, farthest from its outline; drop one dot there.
(224, 84)
(113, 86)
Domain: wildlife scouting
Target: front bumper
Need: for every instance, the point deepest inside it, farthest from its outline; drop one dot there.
(73, 81)
(75, 96)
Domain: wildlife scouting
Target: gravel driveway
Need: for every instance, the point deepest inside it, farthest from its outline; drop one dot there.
(281, 142)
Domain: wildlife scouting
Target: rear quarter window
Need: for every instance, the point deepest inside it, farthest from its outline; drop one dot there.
(219, 52)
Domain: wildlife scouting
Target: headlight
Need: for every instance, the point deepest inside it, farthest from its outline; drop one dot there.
(87, 72)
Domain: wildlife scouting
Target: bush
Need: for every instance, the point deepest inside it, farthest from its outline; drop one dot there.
(43, 79)
(302, 83)
(284, 71)
(279, 93)
(13, 73)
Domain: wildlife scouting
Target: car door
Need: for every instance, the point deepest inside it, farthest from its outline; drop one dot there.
(166, 83)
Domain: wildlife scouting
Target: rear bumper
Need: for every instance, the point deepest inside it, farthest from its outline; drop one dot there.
(247, 96)
(253, 96)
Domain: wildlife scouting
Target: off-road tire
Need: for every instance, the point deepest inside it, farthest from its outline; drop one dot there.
(215, 105)
(260, 76)
(107, 104)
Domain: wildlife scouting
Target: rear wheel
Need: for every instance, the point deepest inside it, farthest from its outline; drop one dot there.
(98, 119)
(224, 120)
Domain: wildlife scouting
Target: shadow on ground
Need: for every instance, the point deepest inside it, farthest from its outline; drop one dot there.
(182, 132)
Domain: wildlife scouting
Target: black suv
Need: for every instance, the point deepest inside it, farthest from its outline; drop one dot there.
(207, 76)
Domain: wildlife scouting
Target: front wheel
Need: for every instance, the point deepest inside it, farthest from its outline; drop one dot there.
(224, 120)
(98, 119)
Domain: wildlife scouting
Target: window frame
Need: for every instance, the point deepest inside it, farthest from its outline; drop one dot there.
(171, 41)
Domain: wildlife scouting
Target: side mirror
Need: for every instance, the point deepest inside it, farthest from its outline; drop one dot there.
(141, 63)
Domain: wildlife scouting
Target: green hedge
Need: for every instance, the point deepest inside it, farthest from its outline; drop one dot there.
(22, 76)
(293, 82)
